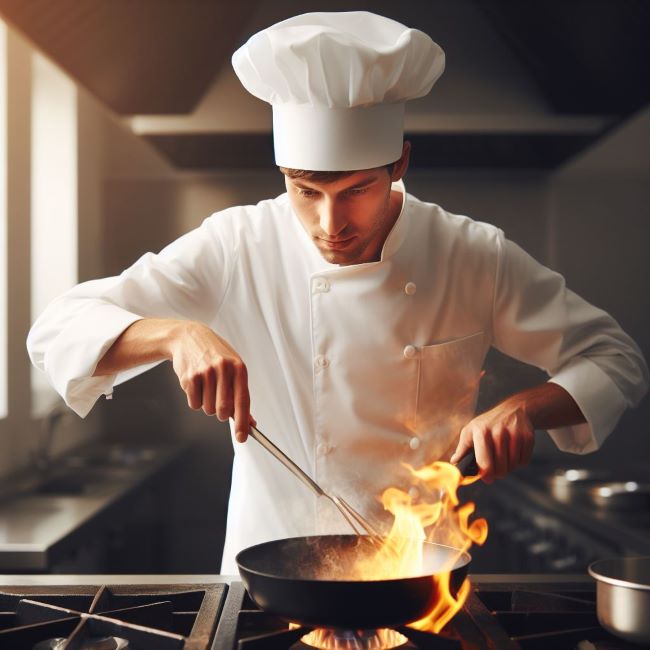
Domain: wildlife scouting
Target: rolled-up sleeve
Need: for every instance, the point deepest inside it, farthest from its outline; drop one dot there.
(188, 279)
(536, 319)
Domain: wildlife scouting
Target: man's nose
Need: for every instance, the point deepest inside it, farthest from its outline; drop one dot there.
(332, 218)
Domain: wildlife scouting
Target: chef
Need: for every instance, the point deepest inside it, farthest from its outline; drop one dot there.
(350, 317)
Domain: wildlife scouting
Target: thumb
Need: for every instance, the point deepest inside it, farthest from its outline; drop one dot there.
(464, 446)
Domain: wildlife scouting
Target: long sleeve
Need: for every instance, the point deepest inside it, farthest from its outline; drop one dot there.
(538, 320)
(188, 279)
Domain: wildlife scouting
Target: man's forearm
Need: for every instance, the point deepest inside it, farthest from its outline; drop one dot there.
(144, 341)
(504, 436)
(548, 406)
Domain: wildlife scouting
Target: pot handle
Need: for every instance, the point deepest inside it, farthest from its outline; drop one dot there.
(467, 464)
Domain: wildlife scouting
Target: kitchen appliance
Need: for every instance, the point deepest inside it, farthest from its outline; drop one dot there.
(172, 617)
(623, 596)
(505, 612)
(533, 530)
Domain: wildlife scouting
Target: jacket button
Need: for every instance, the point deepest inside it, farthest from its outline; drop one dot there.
(414, 443)
(321, 285)
(410, 288)
(322, 449)
(322, 361)
(409, 352)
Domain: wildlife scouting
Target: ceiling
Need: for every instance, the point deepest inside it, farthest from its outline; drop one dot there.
(527, 85)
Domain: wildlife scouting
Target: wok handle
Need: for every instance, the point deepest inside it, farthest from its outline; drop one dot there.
(468, 465)
(286, 461)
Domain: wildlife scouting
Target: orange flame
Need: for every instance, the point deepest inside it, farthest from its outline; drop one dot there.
(437, 517)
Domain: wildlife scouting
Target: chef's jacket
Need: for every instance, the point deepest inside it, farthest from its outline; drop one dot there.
(355, 371)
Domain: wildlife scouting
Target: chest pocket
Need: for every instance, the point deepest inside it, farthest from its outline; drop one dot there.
(448, 379)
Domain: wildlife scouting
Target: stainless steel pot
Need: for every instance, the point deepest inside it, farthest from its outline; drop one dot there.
(628, 495)
(623, 596)
(570, 485)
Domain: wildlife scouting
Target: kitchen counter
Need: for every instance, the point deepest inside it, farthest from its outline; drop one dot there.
(38, 524)
(177, 578)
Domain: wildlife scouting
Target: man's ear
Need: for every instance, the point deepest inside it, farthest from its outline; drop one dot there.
(400, 166)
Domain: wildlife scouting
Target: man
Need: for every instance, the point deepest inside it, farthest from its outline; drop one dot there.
(349, 317)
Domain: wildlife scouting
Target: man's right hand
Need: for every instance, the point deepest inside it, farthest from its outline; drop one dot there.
(210, 372)
(212, 375)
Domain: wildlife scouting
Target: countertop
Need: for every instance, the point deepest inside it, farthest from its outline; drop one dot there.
(35, 525)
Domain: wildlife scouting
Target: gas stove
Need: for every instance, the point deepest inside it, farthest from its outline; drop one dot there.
(501, 612)
(121, 617)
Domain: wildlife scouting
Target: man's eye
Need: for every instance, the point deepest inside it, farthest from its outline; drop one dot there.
(356, 191)
(308, 194)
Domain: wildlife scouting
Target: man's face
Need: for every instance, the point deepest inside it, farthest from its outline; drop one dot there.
(348, 219)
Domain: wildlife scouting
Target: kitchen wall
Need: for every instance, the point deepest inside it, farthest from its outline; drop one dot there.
(105, 148)
(600, 225)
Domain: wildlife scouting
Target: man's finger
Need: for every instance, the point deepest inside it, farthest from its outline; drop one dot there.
(500, 444)
(527, 447)
(224, 406)
(463, 448)
(243, 417)
(515, 449)
(209, 392)
(484, 455)
(194, 391)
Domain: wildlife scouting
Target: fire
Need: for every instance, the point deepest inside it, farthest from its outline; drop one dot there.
(437, 517)
(325, 639)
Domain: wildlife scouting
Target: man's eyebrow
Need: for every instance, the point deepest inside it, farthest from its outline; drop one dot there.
(367, 181)
(363, 183)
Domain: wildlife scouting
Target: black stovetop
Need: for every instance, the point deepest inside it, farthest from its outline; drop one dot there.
(508, 614)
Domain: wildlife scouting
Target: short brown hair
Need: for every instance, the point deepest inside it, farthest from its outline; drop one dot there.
(323, 177)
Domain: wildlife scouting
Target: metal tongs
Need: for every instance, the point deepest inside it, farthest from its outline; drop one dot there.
(359, 524)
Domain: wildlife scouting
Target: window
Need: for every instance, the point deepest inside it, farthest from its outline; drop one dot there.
(53, 199)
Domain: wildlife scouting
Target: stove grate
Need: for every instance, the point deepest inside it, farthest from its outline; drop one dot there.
(504, 616)
(171, 617)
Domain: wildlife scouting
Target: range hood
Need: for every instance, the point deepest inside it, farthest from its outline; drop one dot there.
(527, 85)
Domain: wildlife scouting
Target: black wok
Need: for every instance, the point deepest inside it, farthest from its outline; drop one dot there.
(302, 580)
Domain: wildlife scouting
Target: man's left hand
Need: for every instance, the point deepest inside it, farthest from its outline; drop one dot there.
(503, 438)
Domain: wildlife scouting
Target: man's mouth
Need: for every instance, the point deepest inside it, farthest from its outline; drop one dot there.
(335, 244)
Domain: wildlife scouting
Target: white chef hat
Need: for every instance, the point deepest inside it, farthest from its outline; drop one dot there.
(337, 82)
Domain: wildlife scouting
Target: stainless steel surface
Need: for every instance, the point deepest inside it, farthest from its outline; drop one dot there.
(623, 596)
(627, 495)
(48, 511)
(359, 524)
(570, 484)
(530, 531)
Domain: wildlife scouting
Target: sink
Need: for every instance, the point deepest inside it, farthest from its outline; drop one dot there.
(95, 471)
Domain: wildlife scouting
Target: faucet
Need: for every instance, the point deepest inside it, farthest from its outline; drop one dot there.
(42, 456)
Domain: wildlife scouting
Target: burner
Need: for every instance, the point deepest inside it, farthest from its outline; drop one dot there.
(327, 639)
